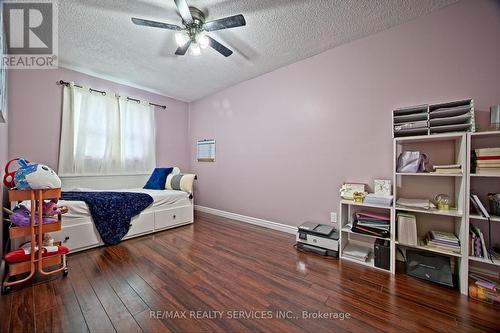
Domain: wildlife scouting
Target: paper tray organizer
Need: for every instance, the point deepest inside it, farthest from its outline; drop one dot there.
(426, 119)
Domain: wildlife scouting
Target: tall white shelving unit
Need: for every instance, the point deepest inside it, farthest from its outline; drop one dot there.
(480, 184)
(427, 185)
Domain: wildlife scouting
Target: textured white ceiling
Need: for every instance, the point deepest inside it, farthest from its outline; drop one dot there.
(98, 36)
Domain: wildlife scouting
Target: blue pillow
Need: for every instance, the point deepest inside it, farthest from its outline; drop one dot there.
(158, 178)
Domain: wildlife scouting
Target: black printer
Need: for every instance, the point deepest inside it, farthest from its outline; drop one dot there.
(318, 238)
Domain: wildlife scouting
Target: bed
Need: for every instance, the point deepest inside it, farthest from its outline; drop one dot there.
(169, 209)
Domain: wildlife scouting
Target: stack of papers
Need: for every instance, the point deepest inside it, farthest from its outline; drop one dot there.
(448, 168)
(378, 199)
(415, 203)
(356, 252)
(443, 241)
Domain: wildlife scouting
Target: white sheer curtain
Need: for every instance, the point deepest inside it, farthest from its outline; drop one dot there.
(102, 134)
(137, 137)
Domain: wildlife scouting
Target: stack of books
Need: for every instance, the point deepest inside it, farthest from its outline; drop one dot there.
(486, 161)
(447, 168)
(407, 229)
(441, 240)
(378, 199)
(356, 252)
(374, 224)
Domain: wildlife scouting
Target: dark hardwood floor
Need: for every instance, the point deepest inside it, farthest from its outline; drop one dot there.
(249, 274)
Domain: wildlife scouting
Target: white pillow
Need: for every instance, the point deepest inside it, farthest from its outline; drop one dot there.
(180, 182)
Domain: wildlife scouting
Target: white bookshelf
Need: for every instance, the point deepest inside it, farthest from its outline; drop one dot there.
(457, 150)
(483, 181)
(347, 210)
(427, 185)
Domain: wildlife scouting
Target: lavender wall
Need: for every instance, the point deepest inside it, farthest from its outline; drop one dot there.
(287, 140)
(35, 103)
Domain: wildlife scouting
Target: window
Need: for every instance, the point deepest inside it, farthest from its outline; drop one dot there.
(104, 134)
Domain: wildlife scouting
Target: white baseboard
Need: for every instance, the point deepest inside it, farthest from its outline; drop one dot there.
(248, 219)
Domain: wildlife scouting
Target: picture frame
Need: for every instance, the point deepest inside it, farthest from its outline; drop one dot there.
(382, 186)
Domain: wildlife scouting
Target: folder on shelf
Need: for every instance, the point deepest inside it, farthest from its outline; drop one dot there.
(407, 229)
(478, 205)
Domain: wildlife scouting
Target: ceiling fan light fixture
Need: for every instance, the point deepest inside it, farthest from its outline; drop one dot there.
(195, 49)
(181, 38)
(203, 41)
(192, 34)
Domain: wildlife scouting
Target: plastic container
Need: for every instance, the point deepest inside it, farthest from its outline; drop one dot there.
(484, 295)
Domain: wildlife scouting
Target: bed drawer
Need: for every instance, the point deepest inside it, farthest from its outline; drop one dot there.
(78, 236)
(171, 217)
(141, 224)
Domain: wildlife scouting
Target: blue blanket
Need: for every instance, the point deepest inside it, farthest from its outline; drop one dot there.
(111, 211)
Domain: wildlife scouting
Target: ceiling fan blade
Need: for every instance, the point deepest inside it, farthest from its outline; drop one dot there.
(155, 24)
(183, 9)
(219, 47)
(181, 50)
(226, 23)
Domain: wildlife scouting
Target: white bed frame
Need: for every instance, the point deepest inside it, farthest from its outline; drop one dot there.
(81, 233)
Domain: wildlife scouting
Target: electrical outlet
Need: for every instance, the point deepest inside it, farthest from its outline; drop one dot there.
(333, 217)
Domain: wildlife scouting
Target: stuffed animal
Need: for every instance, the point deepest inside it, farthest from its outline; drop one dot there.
(21, 216)
(52, 209)
(8, 178)
(34, 176)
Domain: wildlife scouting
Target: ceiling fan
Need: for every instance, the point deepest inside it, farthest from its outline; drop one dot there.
(194, 33)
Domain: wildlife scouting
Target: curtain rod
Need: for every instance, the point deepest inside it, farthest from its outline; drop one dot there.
(64, 83)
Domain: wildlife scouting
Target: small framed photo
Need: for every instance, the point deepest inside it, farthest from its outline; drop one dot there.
(383, 186)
